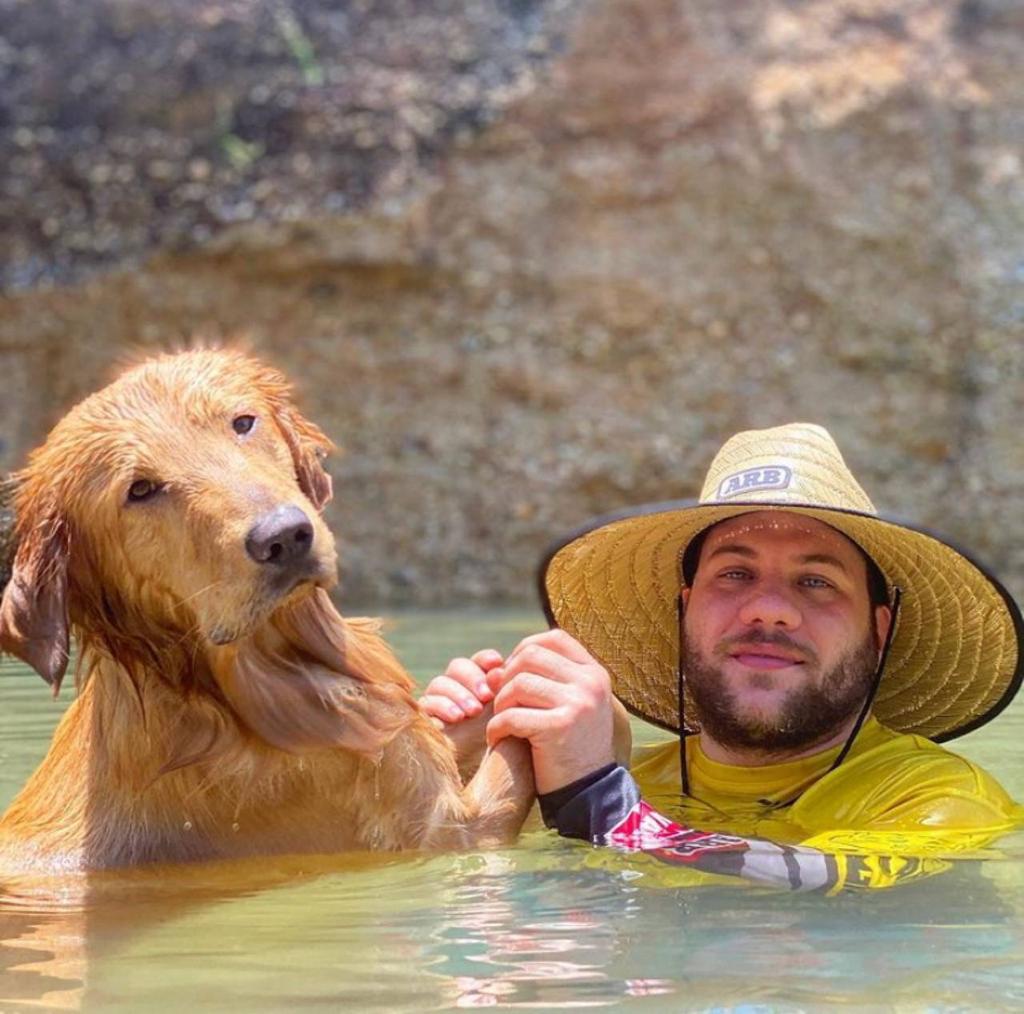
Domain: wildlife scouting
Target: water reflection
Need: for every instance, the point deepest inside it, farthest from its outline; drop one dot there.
(509, 939)
(545, 925)
(531, 927)
(570, 937)
(41, 960)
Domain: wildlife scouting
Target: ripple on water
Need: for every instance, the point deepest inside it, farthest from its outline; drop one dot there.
(544, 925)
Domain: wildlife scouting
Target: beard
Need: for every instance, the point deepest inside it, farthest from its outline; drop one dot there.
(808, 714)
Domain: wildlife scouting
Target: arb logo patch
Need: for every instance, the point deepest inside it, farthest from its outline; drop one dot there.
(765, 477)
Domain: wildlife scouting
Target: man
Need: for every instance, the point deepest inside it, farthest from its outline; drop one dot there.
(809, 650)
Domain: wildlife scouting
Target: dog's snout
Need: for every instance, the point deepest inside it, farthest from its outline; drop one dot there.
(283, 537)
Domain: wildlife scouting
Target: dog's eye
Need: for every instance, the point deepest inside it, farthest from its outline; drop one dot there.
(143, 489)
(243, 423)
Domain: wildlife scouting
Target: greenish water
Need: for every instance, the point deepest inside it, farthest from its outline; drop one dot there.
(544, 925)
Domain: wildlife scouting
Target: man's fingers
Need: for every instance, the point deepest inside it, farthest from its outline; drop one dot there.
(441, 707)
(468, 675)
(557, 641)
(495, 678)
(556, 695)
(528, 690)
(537, 658)
(487, 659)
(524, 723)
(456, 692)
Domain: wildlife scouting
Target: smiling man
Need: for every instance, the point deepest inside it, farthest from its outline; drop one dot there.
(783, 636)
(811, 652)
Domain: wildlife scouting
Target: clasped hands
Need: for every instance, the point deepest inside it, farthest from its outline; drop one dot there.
(550, 691)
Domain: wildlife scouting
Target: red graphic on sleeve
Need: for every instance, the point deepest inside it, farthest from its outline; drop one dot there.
(643, 829)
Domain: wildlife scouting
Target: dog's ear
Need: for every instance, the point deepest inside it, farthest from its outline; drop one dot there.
(308, 443)
(34, 609)
(309, 446)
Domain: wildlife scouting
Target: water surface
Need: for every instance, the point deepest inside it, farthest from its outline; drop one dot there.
(544, 925)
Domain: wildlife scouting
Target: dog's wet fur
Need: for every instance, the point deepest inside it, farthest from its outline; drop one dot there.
(171, 524)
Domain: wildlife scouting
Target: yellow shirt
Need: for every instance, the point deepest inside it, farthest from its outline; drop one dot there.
(897, 808)
(893, 791)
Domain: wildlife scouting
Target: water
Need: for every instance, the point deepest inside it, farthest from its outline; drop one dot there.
(548, 924)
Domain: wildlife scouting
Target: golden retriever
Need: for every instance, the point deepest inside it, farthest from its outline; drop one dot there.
(171, 523)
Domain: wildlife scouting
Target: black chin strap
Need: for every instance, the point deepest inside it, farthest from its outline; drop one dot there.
(894, 609)
(684, 777)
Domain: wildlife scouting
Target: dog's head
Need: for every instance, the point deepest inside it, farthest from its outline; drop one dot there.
(182, 500)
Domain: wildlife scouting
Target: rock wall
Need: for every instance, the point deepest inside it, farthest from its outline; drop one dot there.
(666, 220)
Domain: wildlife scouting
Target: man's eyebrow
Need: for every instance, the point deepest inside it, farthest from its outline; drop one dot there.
(826, 558)
(738, 549)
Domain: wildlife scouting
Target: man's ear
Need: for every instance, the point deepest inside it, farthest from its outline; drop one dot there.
(883, 617)
(34, 609)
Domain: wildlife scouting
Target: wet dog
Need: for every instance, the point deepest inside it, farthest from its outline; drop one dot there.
(171, 524)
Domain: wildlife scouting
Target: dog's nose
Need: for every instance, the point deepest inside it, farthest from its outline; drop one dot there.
(283, 536)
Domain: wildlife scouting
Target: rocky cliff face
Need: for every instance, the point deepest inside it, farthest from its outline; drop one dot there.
(598, 239)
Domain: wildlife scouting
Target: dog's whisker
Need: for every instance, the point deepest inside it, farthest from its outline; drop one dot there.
(202, 591)
(192, 639)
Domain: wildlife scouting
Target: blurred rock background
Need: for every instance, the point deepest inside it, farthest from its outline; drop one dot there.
(530, 261)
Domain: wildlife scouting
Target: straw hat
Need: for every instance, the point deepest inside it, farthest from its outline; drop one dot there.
(954, 661)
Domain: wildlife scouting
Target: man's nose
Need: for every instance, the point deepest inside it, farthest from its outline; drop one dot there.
(770, 606)
(282, 537)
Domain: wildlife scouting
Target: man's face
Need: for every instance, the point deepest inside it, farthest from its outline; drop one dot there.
(780, 638)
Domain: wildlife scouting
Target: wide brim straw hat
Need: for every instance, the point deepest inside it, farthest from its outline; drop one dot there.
(954, 661)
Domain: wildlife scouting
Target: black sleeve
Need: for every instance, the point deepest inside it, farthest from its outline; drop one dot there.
(605, 808)
(592, 805)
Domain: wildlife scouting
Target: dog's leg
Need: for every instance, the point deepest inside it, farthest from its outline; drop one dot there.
(501, 792)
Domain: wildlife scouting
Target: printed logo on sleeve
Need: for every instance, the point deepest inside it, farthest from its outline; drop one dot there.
(751, 479)
(644, 829)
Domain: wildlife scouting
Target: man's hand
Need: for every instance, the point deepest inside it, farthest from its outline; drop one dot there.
(462, 690)
(460, 703)
(556, 695)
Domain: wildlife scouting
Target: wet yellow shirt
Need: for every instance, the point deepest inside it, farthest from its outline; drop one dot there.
(897, 808)
(892, 791)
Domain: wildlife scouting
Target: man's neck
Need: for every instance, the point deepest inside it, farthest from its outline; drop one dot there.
(747, 757)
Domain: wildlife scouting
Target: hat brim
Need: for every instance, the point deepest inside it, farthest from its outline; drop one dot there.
(955, 658)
